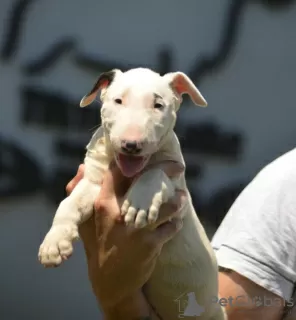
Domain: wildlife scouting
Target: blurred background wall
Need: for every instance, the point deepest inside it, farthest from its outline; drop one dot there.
(241, 54)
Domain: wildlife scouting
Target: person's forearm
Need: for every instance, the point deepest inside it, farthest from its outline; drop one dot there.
(135, 307)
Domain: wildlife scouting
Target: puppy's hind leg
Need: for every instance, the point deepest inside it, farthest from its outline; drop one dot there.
(72, 211)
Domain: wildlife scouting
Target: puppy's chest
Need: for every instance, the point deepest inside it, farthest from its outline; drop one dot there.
(97, 159)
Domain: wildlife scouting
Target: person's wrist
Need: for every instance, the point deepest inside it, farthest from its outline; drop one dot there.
(134, 307)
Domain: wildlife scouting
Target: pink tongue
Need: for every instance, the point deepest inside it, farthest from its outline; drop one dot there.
(130, 165)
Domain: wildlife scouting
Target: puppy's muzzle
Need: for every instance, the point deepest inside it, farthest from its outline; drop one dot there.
(131, 146)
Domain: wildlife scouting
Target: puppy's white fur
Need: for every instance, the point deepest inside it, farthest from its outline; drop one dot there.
(141, 105)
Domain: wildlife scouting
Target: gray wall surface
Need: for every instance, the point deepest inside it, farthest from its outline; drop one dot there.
(253, 94)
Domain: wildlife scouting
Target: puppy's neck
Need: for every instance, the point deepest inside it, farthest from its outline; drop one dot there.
(169, 150)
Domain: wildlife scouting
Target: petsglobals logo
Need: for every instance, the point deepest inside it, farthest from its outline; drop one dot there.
(188, 306)
(256, 301)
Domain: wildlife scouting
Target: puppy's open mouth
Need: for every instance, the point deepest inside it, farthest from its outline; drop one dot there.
(131, 165)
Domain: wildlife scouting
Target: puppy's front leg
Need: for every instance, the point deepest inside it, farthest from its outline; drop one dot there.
(72, 211)
(144, 198)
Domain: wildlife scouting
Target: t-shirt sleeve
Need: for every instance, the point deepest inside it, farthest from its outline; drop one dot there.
(257, 238)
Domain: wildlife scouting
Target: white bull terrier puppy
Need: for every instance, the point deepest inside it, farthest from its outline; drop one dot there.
(138, 117)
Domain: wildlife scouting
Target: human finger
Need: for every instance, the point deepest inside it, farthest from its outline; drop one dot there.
(172, 208)
(167, 231)
(87, 232)
(73, 183)
(114, 183)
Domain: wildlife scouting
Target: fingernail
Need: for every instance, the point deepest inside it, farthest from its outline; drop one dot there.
(182, 193)
(119, 219)
(183, 200)
(178, 222)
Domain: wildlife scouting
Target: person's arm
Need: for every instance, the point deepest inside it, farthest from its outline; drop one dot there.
(255, 248)
(120, 260)
(245, 300)
(135, 307)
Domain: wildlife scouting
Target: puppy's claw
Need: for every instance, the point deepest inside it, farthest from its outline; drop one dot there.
(130, 215)
(125, 207)
(57, 245)
(153, 214)
(141, 219)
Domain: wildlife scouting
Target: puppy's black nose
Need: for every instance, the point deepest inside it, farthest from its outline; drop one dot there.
(131, 146)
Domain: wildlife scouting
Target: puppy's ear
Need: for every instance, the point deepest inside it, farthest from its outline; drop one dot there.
(182, 84)
(103, 82)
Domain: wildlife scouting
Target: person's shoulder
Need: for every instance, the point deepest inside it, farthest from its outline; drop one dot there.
(269, 197)
(256, 239)
(278, 174)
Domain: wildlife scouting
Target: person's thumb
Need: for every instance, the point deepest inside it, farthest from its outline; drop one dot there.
(168, 230)
(73, 183)
(114, 183)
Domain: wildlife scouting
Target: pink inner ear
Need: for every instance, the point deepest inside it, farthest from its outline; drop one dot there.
(180, 85)
(104, 84)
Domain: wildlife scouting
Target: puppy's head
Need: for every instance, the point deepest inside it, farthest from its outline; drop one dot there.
(138, 111)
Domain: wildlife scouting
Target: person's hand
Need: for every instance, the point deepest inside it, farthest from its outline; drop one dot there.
(121, 259)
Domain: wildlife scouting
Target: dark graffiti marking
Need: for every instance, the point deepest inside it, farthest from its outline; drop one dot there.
(209, 139)
(276, 4)
(163, 62)
(20, 173)
(15, 20)
(215, 61)
(197, 72)
(55, 110)
(70, 149)
(229, 35)
(49, 58)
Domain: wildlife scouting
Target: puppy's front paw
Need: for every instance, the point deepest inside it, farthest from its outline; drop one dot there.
(143, 200)
(140, 211)
(57, 245)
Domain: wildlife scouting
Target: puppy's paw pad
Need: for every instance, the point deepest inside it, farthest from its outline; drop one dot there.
(130, 216)
(57, 245)
(141, 219)
(65, 248)
(52, 254)
(153, 214)
(125, 207)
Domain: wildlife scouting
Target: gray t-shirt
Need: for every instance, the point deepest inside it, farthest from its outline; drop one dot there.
(257, 237)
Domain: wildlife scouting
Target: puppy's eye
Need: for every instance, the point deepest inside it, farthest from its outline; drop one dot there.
(118, 101)
(158, 106)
